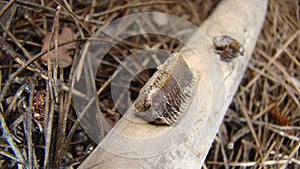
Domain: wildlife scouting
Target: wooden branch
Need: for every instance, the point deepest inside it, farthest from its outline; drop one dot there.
(182, 148)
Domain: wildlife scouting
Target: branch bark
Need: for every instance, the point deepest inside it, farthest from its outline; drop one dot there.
(219, 81)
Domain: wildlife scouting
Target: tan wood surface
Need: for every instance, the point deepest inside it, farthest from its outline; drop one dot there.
(219, 81)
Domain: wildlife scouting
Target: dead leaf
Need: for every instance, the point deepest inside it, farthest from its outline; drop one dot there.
(64, 58)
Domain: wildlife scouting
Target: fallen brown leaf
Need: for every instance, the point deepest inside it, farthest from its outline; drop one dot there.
(64, 58)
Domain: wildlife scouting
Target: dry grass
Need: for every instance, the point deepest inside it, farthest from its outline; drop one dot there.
(260, 130)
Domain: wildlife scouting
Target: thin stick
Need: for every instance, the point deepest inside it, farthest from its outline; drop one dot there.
(94, 2)
(283, 71)
(61, 132)
(40, 32)
(4, 9)
(294, 151)
(77, 21)
(126, 68)
(136, 5)
(44, 17)
(71, 80)
(55, 32)
(27, 5)
(249, 163)
(20, 46)
(191, 8)
(225, 159)
(245, 113)
(53, 93)
(274, 57)
(1, 106)
(14, 99)
(267, 155)
(49, 115)
(0, 80)
(6, 134)
(28, 126)
(16, 73)
(8, 155)
(25, 65)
